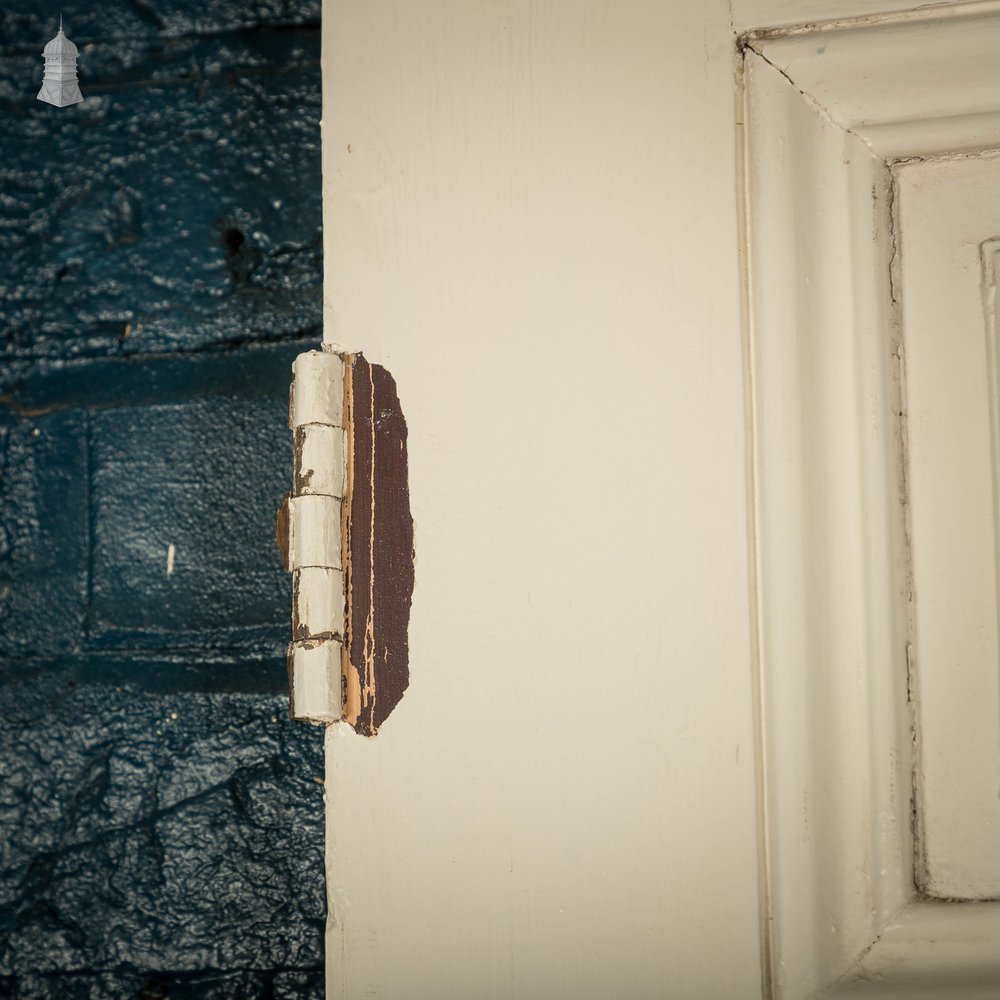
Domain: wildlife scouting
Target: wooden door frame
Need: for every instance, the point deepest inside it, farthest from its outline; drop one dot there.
(824, 113)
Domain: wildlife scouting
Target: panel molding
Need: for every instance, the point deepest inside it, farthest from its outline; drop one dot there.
(917, 84)
(770, 17)
(819, 135)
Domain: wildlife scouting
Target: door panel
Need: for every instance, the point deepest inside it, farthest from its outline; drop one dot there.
(948, 209)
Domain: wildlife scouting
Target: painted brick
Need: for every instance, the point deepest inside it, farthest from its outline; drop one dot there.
(201, 476)
(43, 534)
(177, 206)
(152, 838)
(161, 265)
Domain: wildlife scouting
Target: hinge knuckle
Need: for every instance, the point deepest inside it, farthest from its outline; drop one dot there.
(310, 531)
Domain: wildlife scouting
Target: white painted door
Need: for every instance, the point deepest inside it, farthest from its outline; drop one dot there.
(533, 221)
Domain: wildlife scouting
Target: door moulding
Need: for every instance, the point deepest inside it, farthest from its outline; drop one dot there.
(824, 113)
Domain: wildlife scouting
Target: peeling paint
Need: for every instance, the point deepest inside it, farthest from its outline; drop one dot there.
(378, 547)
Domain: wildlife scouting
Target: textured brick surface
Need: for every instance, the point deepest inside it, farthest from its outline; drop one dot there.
(122, 458)
(151, 836)
(176, 207)
(160, 266)
(215, 467)
(43, 533)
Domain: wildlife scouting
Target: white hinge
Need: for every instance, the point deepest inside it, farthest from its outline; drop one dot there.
(310, 534)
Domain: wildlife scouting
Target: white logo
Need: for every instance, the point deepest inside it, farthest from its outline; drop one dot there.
(59, 85)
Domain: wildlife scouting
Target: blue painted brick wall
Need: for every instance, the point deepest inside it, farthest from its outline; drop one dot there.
(160, 266)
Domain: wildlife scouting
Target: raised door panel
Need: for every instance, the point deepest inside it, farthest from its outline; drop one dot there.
(949, 210)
